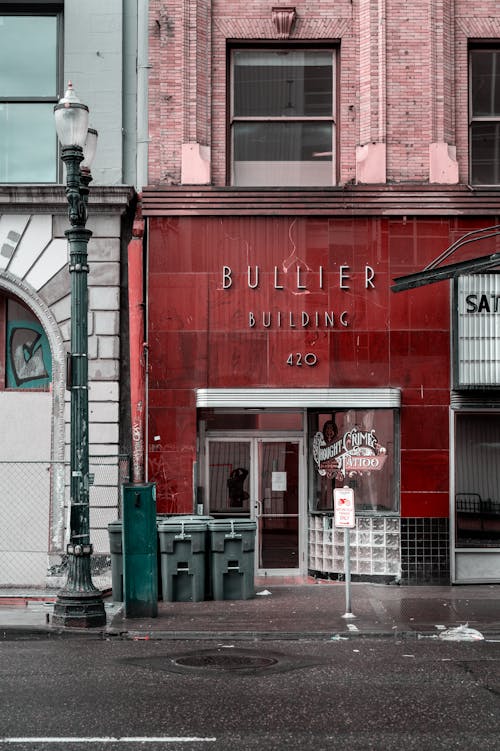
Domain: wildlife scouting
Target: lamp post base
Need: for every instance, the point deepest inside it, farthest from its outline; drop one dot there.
(79, 604)
(79, 609)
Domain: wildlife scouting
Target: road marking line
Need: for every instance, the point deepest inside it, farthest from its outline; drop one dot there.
(108, 739)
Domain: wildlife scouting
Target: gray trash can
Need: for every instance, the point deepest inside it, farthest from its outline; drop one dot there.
(115, 549)
(183, 546)
(232, 558)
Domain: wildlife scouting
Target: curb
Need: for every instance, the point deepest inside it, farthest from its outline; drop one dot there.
(19, 633)
(406, 635)
(14, 633)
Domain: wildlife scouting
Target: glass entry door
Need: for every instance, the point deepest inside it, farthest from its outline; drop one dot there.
(262, 479)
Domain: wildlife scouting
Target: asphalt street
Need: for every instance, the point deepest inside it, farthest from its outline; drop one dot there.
(363, 694)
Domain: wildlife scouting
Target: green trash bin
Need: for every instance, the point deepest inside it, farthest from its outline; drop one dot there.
(232, 558)
(183, 546)
(115, 549)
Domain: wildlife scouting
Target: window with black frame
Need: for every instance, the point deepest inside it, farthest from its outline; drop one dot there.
(29, 64)
(353, 448)
(484, 121)
(282, 117)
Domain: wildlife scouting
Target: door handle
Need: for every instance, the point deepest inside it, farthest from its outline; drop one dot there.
(258, 508)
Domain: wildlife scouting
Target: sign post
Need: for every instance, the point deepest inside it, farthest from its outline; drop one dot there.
(345, 517)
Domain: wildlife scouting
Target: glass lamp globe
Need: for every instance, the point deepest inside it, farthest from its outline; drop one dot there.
(89, 149)
(72, 119)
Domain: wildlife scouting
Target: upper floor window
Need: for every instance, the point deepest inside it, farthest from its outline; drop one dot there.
(485, 116)
(282, 117)
(28, 92)
(25, 359)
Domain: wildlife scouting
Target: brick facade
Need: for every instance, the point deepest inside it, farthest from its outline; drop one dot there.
(402, 81)
(401, 198)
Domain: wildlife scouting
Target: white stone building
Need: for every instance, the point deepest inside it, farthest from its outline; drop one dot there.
(93, 45)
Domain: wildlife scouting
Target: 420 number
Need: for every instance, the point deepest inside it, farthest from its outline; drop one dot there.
(298, 359)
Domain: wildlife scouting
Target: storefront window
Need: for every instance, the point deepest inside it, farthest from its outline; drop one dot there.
(354, 448)
(477, 480)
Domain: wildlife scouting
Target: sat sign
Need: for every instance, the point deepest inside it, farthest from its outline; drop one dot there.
(344, 508)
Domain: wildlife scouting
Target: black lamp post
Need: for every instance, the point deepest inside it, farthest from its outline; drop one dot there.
(79, 603)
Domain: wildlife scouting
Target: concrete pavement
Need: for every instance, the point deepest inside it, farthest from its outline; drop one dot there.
(314, 610)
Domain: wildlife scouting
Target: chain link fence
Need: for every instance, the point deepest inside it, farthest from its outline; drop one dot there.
(34, 498)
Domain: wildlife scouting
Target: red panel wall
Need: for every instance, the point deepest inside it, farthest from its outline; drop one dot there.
(199, 332)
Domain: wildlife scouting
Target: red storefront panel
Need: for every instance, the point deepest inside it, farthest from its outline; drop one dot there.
(425, 504)
(360, 358)
(281, 348)
(415, 421)
(239, 302)
(172, 428)
(424, 470)
(420, 359)
(178, 359)
(172, 472)
(421, 308)
(237, 360)
(174, 305)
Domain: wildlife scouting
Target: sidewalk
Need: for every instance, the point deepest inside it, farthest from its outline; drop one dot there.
(312, 610)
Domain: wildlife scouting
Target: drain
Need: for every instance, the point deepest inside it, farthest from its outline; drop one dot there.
(223, 661)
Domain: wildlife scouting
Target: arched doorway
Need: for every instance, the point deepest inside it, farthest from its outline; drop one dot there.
(32, 436)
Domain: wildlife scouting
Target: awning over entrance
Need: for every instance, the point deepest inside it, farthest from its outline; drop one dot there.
(334, 398)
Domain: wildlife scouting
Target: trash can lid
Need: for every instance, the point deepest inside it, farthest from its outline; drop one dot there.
(182, 517)
(116, 524)
(184, 522)
(230, 525)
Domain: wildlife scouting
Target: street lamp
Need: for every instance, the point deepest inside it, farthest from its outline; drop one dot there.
(79, 603)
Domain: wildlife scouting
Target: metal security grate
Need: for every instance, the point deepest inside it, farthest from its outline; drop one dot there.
(108, 473)
(32, 533)
(25, 492)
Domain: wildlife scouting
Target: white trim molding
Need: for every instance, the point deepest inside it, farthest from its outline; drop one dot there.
(299, 398)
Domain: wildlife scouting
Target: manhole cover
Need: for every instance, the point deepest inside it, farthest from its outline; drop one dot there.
(228, 660)
(222, 661)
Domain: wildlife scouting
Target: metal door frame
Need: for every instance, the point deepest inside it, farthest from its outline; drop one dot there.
(468, 565)
(254, 438)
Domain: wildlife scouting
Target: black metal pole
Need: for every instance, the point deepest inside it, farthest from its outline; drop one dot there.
(79, 603)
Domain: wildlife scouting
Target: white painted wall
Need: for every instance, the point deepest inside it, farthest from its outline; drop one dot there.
(27, 414)
(31, 497)
(25, 479)
(93, 61)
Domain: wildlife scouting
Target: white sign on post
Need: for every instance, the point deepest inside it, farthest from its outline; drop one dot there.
(344, 508)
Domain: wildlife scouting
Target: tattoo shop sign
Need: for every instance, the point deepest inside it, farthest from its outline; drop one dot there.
(356, 452)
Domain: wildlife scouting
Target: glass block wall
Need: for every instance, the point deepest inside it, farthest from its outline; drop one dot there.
(425, 551)
(374, 545)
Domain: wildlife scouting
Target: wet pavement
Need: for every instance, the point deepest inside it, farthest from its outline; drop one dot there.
(315, 610)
